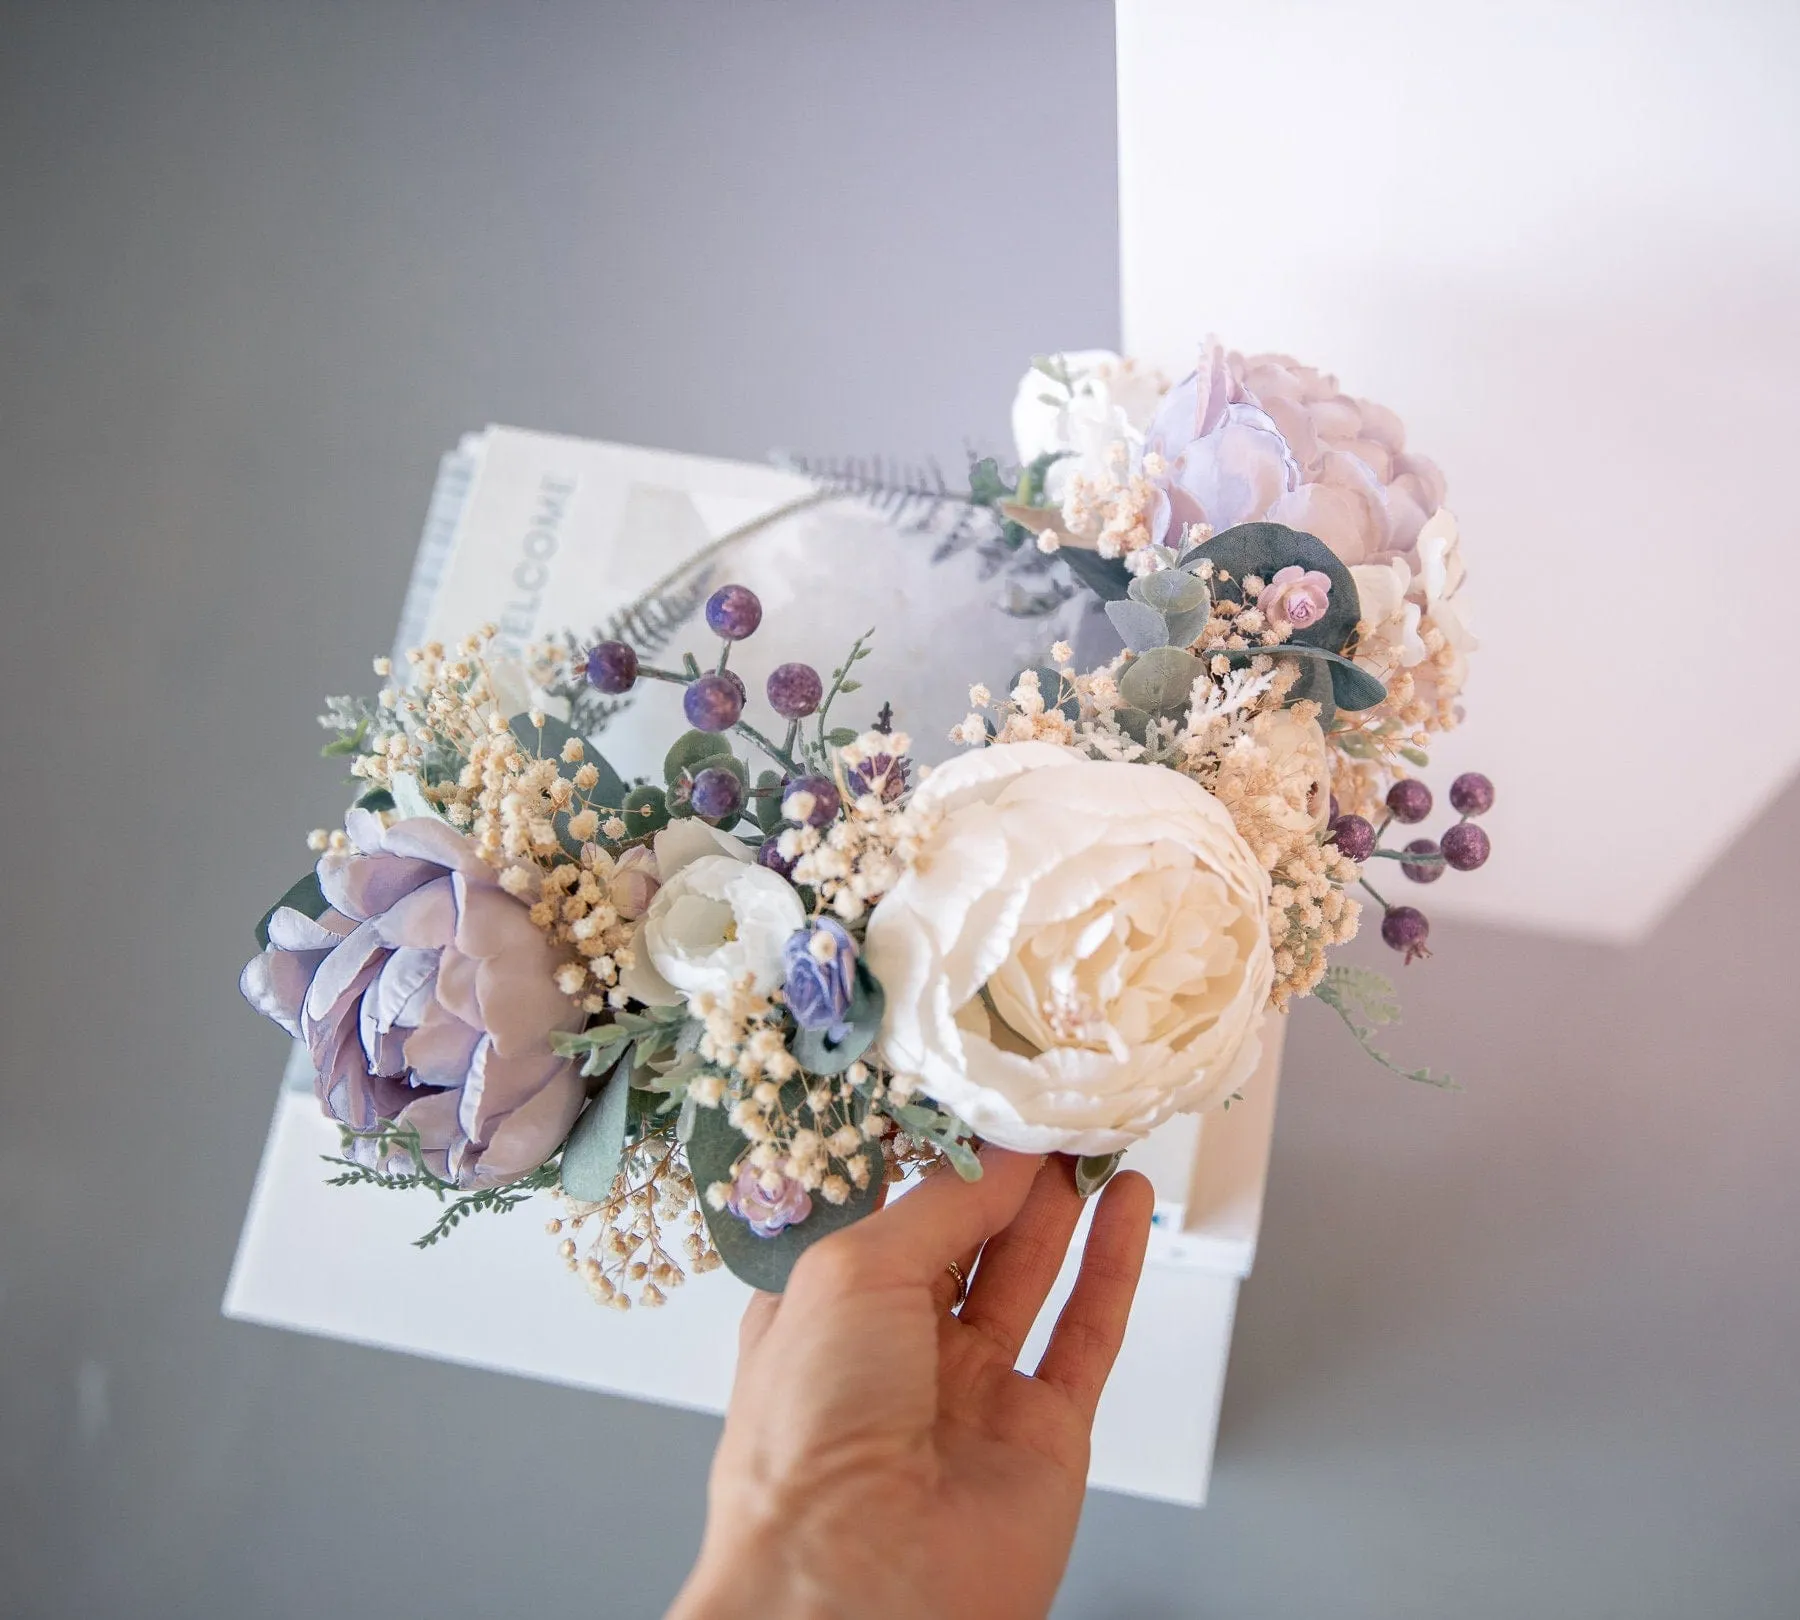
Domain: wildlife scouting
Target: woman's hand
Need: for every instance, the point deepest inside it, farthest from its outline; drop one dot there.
(881, 1456)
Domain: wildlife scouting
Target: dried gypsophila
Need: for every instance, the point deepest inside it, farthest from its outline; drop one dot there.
(630, 1236)
(860, 855)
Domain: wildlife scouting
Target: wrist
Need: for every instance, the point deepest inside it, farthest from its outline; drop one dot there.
(744, 1583)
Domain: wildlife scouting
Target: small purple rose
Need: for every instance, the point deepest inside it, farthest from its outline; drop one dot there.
(1296, 597)
(820, 961)
(884, 775)
(768, 1214)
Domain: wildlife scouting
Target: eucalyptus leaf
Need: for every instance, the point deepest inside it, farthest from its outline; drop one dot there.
(1140, 626)
(1160, 680)
(1107, 578)
(713, 1152)
(1135, 723)
(1263, 549)
(305, 897)
(1094, 1170)
(1170, 590)
(1185, 628)
(592, 1154)
(549, 741)
(1333, 679)
(819, 1054)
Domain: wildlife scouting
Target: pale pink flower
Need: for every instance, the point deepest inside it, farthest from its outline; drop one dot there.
(1296, 597)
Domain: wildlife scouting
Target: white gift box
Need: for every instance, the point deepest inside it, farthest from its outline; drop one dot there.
(538, 534)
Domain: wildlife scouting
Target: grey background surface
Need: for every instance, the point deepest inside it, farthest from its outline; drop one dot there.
(1530, 1348)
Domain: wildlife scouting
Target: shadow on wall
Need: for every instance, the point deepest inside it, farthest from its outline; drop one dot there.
(1603, 1223)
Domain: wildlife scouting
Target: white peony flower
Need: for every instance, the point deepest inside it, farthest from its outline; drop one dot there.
(1111, 405)
(1079, 950)
(1440, 581)
(1392, 620)
(717, 919)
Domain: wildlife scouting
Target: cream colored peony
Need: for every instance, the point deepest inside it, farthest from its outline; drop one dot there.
(1079, 950)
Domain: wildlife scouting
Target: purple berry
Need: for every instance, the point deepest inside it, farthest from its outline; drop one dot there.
(714, 702)
(612, 667)
(1466, 846)
(794, 691)
(770, 855)
(1472, 794)
(825, 797)
(1406, 930)
(1355, 838)
(717, 793)
(734, 612)
(1410, 800)
(1428, 870)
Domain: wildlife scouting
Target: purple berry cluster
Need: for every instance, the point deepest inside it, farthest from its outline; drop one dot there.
(1463, 847)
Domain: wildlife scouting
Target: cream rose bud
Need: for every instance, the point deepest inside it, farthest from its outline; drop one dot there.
(1079, 950)
(1302, 766)
(717, 920)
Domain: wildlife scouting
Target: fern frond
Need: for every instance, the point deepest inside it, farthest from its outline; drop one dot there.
(910, 495)
(649, 624)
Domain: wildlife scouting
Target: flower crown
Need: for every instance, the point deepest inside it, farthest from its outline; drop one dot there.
(720, 1014)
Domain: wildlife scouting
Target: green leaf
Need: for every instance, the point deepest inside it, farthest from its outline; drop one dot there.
(1170, 590)
(1094, 1170)
(592, 1154)
(987, 486)
(1140, 626)
(1107, 579)
(347, 742)
(1326, 678)
(598, 1048)
(1160, 680)
(713, 1151)
(549, 743)
(1265, 548)
(376, 799)
(841, 736)
(768, 800)
(1135, 723)
(816, 1052)
(1185, 628)
(646, 811)
(692, 752)
(306, 897)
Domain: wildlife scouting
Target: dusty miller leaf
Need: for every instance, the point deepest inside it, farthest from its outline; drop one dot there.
(1366, 1001)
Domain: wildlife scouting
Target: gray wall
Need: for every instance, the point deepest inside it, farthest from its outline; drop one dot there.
(1525, 1349)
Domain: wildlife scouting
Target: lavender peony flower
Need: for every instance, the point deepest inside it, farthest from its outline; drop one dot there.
(1265, 437)
(821, 975)
(766, 1214)
(424, 996)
